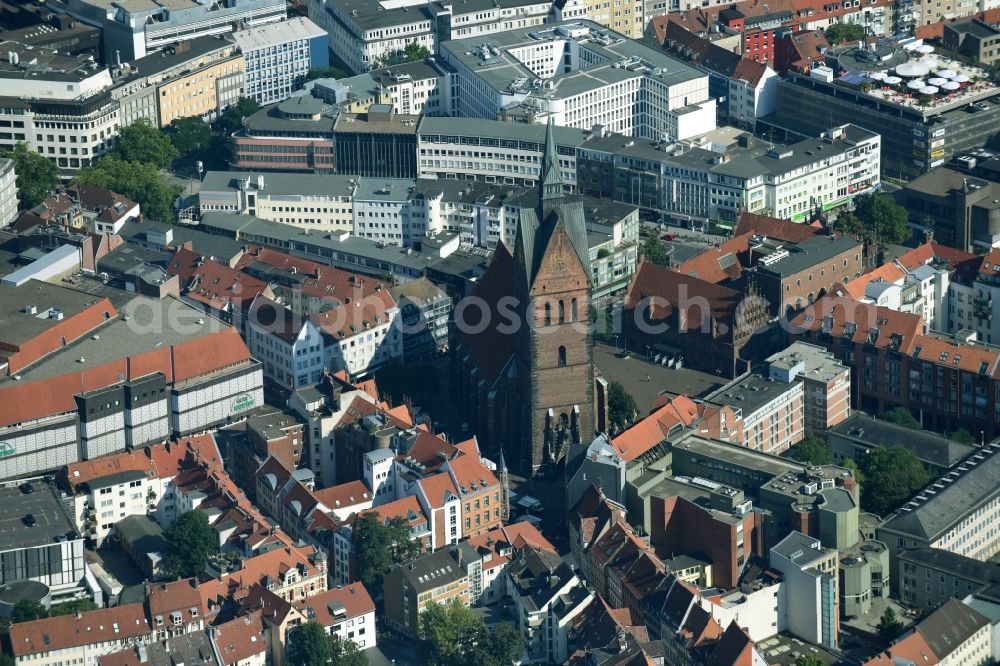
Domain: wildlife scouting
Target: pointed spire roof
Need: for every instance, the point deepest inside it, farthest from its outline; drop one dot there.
(552, 184)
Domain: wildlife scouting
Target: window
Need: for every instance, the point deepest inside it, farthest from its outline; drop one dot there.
(548, 314)
(574, 311)
(562, 312)
(562, 356)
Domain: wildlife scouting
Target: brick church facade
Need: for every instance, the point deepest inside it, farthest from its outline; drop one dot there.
(522, 351)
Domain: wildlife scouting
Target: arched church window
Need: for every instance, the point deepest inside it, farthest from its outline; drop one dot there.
(562, 356)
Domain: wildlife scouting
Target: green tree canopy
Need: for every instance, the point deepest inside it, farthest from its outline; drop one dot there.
(844, 32)
(901, 416)
(308, 645)
(892, 475)
(888, 626)
(140, 182)
(325, 73)
(453, 635)
(141, 142)
(71, 607)
(622, 409)
(809, 660)
(962, 436)
(378, 545)
(345, 652)
(191, 136)
(37, 177)
(812, 450)
(413, 52)
(232, 119)
(878, 219)
(604, 325)
(191, 541)
(26, 610)
(654, 251)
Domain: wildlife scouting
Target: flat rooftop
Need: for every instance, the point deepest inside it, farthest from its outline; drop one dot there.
(279, 183)
(35, 63)
(749, 393)
(18, 327)
(360, 123)
(41, 503)
(143, 325)
(818, 363)
(438, 129)
(809, 253)
(278, 32)
(737, 455)
(616, 59)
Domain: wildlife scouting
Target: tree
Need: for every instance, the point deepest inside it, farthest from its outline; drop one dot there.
(378, 545)
(141, 142)
(140, 182)
(453, 635)
(191, 135)
(892, 475)
(888, 626)
(604, 325)
(345, 652)
(412, 52)
(71, 607)
(962, 436)
(191, 541)
(653, 251)
(26, 610)
(621, 406)
(307, 645)
(902, 416)
(883, 220)
(812, 450)
(7, 660)
(232, 120)
(37, 177)
(325, 73)
(809, 660)
(844, 32)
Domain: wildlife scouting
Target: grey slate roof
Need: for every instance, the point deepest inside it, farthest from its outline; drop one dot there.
(929, 447)
(949, 626)
(955, 564)
(963, 490)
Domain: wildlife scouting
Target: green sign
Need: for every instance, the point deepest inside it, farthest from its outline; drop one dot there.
(242, 403)
(6, 450)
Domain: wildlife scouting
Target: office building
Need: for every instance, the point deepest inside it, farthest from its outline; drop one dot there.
(809, 600)
(424, 311)
(974, 38)
(378, 143)
(365, 34)
(318, 202)
(58, 105)
(277, 56)
(442, 576)
(412, 88)
(958, 209)
(826, 383)
(955, 513)
(579, 74)
(8, 193)
(769, 415)
(293, 135)
(929, 577)
(132, 32)
(863, 577)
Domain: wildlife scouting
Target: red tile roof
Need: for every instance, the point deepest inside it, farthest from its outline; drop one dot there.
(181, 595)
(344, 495)
(665, 288)
(734, 648)
(852, 319)
(975, 359)
(216, 285)
(272, 563)
(911, 649)
(889, 273)
(437, 489)
(467, 472)
(239, 639)
(119, 623)
(772, 227)
(650, 431)
(407, 508)
(718, 264)
(936, 30)
(160, 460)
(353, 599)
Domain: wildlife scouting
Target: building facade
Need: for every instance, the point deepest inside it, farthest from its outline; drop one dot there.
(277, 56)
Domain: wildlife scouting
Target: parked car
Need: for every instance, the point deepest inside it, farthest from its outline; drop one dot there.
(30, 521)
(530, 504)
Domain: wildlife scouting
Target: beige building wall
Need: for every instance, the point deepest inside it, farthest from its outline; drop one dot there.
(624, 16)
(205, 89)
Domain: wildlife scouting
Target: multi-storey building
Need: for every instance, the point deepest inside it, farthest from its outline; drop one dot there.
(412, 88)
(346, 612)
(82, 638)
(957, 208)
(277, 56)
(957, 513)
(825, 380)
(59, 106)
(365, 35)
(376, 143)
(424, 311)
(321, 202)
(810, 600)
(955, 633)
(8, 193)
(769, 415)
(135, 31)
(579, 74)
(442, 576)
(929, 577)
(975, 39)
(293, 135)
(629, 18)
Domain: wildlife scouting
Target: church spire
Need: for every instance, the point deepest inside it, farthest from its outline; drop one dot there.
(552, 184)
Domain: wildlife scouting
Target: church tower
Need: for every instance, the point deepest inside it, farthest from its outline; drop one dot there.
(554, 361)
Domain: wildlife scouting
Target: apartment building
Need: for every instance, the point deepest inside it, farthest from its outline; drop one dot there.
(82, 638)
(442, 576)
(810, 600)
(364, 34)
(956, 513)
(629, 18)
(159, 381)
(956, 208)
(826, 383)
(606, 80)
(953, 634)
(424, 312)
(277, 56)
(321, 202)
(769, 415)
(62, 110)
(137, 30)
(974, 38)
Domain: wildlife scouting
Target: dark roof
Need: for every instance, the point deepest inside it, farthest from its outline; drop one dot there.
(949, 626)
(655, 281)
(438, 568)
(955, 564)
(734, 648)
(491, 347)
(700, 51)
(929, 447)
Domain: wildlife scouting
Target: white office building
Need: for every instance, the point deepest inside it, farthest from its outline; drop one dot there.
(580, 74)
(8, 193)
(279, 55)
